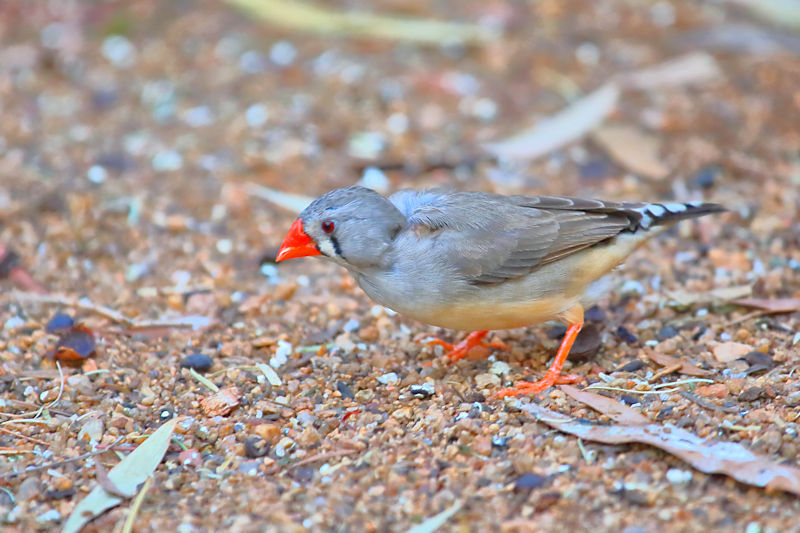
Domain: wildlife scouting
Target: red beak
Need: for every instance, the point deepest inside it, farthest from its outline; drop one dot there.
(297, 243)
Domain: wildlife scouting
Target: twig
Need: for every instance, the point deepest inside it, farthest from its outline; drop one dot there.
(111, 314)
(36, 414)
(137, 502)
(746, 317)
(665, 372)
(21, 436)
(702, 402)
(323, 457)
(56, 464)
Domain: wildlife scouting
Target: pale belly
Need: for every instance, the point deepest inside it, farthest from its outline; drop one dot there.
(548, 293)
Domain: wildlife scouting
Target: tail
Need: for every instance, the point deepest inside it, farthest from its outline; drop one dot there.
(645, 216)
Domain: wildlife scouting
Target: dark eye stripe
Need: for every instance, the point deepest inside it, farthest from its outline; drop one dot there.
(336, 248)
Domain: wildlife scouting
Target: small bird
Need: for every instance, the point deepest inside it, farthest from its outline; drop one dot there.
(478, 261)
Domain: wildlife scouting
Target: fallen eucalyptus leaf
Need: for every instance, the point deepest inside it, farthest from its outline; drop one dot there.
(635, 150)
(566, 126)
(306, 16)
(617, 411)
(729, 458)
(126, 476)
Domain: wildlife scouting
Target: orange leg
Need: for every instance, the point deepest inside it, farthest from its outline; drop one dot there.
(553, 375)
(460, 350)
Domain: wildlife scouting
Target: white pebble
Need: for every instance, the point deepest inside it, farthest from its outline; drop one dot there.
(97, 174)
(374, 178)
(500, 368)
(390, 378)
(166, 161)
(119, 51)
(676, 476)
(224, 246)
(13, 323)
(256, 115)
(283, 53)
(281, 354)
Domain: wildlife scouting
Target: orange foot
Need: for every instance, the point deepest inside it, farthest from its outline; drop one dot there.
(460, 350)
(532, 388)
(553, 375)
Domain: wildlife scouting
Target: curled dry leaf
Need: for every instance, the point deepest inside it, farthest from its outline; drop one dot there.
(75, 345)
(615, 410)
(222, 402)
(727, 458)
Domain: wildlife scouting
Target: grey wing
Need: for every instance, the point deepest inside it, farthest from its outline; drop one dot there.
(489, 238)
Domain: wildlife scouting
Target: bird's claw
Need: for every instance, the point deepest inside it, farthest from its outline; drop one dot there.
(532, 388)
(463, 348)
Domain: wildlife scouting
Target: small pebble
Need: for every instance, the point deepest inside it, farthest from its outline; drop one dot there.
(667, 332)
(344, 390)
(500, 368)
(425, 390)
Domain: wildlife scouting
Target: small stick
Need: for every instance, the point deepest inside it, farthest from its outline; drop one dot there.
(21, 436)
(323, 456)
(56, 464)
(667, 370)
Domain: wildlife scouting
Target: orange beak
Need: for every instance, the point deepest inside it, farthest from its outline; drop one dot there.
(297, 243)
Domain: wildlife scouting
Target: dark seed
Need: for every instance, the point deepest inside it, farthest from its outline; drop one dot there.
(623, 333)
(304, 474)
(706, 176)
(530, 481)
(587, 343)
(58, 322)
(344, 390)
(667, 332)
(198, 361)
(166, 413)
(630, 400)
(594, 314)
(556, 332)
(631, 366)
(255, 447)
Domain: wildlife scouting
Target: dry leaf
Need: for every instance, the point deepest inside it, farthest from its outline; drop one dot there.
(435, 522)
(722, 294)
(305, 16)
(566, 126)
(617, 411)
(134, 469)
(727, 458)
(667, 360)
(222, 402)
(291, 202)
(635, 150)
(692, 68)
(771, 305)
(730, 351)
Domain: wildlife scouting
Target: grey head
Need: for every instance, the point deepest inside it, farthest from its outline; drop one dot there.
(353, 226)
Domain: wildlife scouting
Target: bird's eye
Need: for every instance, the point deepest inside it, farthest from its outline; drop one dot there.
(327, 226)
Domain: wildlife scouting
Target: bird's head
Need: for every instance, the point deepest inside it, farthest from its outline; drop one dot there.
(353, 226)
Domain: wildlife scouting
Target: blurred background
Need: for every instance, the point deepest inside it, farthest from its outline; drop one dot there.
(132, 133)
